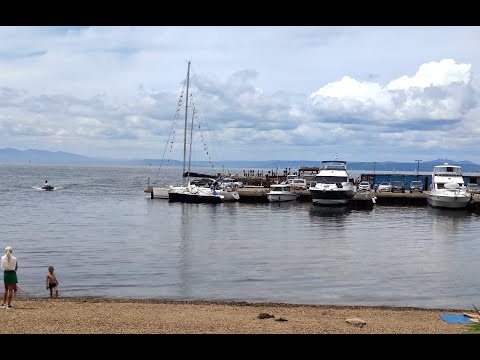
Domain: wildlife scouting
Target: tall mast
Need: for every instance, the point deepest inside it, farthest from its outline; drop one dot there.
(190, 151)
(185, 132)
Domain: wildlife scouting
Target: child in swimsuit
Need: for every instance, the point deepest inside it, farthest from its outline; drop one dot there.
(52, 282)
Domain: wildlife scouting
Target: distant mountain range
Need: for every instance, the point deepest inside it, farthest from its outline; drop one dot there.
(44, 157)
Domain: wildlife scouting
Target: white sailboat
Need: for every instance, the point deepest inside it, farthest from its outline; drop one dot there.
(191, 193)
(161, 189)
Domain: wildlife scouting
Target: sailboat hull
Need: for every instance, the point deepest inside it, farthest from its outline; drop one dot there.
(161, 192)
(194, 198)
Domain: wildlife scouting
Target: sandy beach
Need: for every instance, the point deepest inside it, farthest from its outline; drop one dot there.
(126, 316)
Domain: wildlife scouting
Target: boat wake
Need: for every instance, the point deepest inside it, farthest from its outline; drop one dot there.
(41, 189)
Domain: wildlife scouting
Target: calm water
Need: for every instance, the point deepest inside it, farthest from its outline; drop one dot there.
(107, 238)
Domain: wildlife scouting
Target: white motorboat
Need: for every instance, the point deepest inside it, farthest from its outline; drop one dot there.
(228, 195)
(47, 186)
(228, 188)
(280, 192)
(448, 188)
(331, 186)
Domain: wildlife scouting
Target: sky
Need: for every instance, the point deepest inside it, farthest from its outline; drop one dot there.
(367, 93)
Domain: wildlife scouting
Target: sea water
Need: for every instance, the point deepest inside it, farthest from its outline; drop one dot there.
(107, 238)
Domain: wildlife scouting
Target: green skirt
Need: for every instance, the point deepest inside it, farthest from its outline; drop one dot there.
(10, 277)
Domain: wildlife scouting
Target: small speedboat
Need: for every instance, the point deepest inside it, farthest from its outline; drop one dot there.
(47, 187)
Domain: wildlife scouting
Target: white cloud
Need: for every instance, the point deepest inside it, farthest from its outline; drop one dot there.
(439, 90)
(274, 92)
(442, 74)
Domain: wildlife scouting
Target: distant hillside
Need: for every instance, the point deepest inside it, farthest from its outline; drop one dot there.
(32, 156)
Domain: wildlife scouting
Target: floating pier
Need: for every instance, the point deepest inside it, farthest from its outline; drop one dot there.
(362, 199)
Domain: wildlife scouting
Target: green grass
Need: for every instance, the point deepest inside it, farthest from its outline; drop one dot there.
(474, 328)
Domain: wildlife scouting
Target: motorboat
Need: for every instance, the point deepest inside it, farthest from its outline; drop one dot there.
(47, 186)
(228, 194)
(448, 188)
(281, 192)
(332, 185)
(228, 189)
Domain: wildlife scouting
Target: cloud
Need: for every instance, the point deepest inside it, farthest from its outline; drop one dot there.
(269, 92)
(438, 91)
(437, 98)
(443, 73)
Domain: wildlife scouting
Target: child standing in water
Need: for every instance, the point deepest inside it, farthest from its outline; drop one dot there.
(52, 282)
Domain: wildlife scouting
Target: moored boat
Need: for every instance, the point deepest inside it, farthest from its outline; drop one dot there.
(332, 186)
(280, 193)
(448, 188)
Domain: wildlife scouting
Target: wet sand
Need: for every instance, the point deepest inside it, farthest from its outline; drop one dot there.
(126, 316)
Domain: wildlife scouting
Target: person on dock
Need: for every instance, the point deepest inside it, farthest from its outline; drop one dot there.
(52, 282)
(9, 265)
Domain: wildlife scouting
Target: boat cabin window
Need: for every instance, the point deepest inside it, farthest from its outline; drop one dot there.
(334, 167)
(447, 171)
(442, 186)
(330, 179)
(279, 188)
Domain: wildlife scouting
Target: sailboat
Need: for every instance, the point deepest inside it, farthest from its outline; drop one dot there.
(191, 193)
(160, 191)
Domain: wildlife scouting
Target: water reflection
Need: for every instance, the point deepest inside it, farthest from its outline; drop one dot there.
(186, 250)
(294, 252)
(447, 223)
(330, 211)
(283, 206)
(450, 213)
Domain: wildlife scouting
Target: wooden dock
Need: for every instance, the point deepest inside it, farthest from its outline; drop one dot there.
(259, 195)
(362, 199)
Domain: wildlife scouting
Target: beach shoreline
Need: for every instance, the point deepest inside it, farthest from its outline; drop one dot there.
(85, 315)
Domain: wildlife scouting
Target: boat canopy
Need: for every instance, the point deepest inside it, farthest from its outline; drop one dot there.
(330, 179)
(334, 165)
(447, 170)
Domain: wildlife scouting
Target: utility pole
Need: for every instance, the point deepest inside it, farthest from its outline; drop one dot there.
(418, 166)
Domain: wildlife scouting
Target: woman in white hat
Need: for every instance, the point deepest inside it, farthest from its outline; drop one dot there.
(9, 265)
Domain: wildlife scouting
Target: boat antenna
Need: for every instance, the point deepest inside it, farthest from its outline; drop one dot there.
(185, 132)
